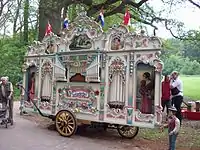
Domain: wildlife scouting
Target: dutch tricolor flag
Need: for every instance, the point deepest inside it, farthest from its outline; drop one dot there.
(127, 18)
(66, 23)
(101, 18)
(48, 29)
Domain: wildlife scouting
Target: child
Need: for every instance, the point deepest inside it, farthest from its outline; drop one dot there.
(165, 99)
(173, 127)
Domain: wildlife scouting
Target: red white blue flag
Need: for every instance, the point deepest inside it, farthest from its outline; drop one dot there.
(48, 29)
(101, 18)
(127, 18)
(65, 23)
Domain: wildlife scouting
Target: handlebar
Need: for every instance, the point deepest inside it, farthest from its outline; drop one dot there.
(20, 86)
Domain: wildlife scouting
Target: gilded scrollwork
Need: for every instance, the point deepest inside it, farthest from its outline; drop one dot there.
(46, 80)
(121, 39)
(45, 105)
(117, 37)
(144, 117)
(158, 65)
(37, 48)
(82, 32)
(28, 104)
(145, 42)
(104, 58)
(116, 113)
(81, 42)
(117, 79)
(158, 110)
(78, 100)
(29, 63)
(131, 63)
(47, 68)
(48, 45)
(150, 59)
(117, 66)
(82, 20)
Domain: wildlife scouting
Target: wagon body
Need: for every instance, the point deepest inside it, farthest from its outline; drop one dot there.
(96, 76)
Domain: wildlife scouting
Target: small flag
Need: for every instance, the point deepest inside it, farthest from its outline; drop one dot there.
(65, 23)
(48, 29)
(127, 18)
(101, 18)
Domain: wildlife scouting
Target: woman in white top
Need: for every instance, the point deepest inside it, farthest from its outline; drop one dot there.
(177, 93)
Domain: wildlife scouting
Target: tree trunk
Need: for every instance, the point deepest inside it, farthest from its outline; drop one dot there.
(36, 27)
(26, 16)
(16, 16)
(4, 30)
(49, 11)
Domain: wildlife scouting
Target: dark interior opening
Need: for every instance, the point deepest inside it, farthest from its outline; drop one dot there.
(100, 72)
(45, 100)
(31, 82)
(116, 104)
(77, 78)
(66, 72)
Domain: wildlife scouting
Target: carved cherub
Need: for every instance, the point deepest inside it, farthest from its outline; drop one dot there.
(50, 48)
(116, 44)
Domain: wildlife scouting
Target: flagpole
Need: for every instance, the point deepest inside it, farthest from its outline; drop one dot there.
(129, 18)
(62, 18)
(46, 28)
(49, 35)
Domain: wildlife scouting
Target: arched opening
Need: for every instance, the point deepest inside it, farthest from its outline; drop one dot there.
(77, 78)
(117, 88)
(145, 88)
(30, 82)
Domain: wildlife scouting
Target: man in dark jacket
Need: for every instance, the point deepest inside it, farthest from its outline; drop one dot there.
(166, 93)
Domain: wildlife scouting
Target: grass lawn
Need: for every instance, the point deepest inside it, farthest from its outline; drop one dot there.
(191, 85)
(188, 139)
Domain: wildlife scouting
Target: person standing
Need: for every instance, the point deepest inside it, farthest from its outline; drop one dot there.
(32, 87)
(165, 99)
(146, 88)
(177, 93)
(173, 127)
(6, 94)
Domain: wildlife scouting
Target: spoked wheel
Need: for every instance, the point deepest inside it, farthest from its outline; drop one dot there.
(128, 132)
(66, 123)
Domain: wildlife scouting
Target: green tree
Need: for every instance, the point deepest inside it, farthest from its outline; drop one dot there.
(141, 11)
(191, 48)
(26, 16)
(190, 67)
(12, 56)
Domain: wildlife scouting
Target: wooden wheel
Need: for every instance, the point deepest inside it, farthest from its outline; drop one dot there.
(128, 132)
(66, 123)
